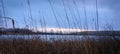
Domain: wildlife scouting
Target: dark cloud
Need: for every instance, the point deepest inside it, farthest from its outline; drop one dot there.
(114, 5)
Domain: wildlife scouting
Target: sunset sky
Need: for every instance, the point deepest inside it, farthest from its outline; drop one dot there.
(108, 10)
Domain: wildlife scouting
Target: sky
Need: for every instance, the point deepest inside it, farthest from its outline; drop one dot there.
(43, 10)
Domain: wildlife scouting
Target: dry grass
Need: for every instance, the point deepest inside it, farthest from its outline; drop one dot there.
(105, 45)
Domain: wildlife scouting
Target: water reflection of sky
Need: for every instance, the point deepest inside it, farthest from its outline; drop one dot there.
(108, 12)
(42, 37)
(52, 37)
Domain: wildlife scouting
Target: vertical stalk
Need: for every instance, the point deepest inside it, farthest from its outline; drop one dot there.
(54, 13)
(41, 21)
(78, 14)
(97, 16)
(45, 26)
(1, 20)
(3, 7)
(25, 22)
(86, 23)
(44, 22)
(31, 17)
(75, 21)
(67, 18)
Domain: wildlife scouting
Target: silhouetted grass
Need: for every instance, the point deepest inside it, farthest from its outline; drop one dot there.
(86, 45)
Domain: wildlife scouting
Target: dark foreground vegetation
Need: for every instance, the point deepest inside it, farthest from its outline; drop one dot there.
(84, 45)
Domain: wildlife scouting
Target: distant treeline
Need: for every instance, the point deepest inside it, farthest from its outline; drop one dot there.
(28, 31)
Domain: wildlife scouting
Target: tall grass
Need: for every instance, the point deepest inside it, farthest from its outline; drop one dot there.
(97, 16)
(103, 45)
(85, 14)
(32, 23)
(85, 45)
(57, 21)
(4, 13)
(66, 14)
(78, 13)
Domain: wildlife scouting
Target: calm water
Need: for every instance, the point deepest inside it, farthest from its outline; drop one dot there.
(47, 37)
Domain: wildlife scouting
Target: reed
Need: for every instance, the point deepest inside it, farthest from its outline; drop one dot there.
(56, 18)
(4, 12)
(102, 45)
(66, 14)
(83, 45)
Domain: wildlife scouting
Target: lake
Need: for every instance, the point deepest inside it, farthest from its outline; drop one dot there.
(48, 37)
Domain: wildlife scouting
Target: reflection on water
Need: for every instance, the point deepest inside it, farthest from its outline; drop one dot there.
(48, 37)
